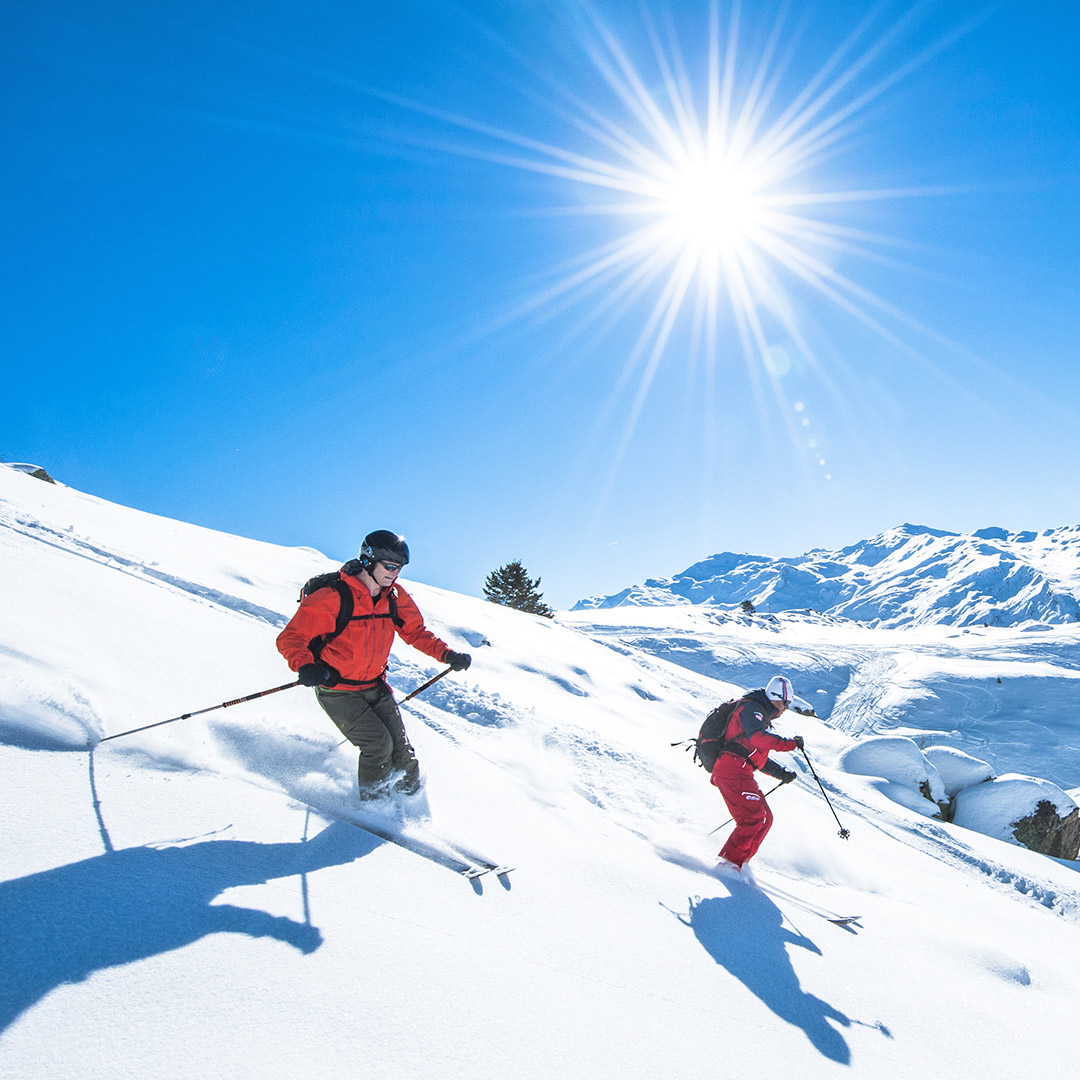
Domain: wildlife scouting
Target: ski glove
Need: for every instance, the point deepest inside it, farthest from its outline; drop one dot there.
(797, 740)
(788, 776)
(317, 675)
(458, 661)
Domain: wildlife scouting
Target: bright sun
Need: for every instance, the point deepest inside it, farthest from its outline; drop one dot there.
(710, 206)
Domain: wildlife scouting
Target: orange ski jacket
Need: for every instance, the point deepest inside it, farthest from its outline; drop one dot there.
(361, 651)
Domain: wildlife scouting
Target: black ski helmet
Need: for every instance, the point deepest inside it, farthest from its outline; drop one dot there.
(383, 546)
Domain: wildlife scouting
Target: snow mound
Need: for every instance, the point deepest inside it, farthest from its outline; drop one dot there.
(900, 761)
(957, 769)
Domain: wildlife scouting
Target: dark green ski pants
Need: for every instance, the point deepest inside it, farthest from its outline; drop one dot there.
(370, 720)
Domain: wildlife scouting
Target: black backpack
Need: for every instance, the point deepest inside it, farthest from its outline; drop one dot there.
(333, 580)
(711, 740)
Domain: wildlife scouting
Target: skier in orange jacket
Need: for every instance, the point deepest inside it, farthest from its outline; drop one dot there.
(348, 669)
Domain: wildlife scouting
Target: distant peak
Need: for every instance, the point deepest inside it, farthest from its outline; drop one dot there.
(909, 529)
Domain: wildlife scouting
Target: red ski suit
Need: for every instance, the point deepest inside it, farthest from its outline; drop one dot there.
(733, 774)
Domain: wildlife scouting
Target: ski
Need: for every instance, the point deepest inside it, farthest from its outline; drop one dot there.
(786, 896)
(440, 851)
(808, 906)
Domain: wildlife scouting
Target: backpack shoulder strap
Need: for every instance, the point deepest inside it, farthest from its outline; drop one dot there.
(345, 608)
(397, 620)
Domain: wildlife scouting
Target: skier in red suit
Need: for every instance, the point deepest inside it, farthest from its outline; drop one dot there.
(747, 742)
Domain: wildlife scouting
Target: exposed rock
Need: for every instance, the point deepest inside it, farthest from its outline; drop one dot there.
(1046, 832)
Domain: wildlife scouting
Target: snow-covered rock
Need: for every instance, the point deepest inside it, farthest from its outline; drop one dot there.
(906, 796)
(36, 471)
(899, 760)
(1022, 810)
(957, 769)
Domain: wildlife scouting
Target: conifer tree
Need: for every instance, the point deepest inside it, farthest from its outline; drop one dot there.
(511, 587)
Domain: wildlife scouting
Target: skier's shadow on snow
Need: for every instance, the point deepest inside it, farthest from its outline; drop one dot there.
(61, 925)
(744, 933)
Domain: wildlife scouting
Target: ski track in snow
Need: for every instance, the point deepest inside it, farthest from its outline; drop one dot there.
(945, 843)
(74, 545)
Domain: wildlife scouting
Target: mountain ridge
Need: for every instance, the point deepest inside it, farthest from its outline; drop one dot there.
(909, 575)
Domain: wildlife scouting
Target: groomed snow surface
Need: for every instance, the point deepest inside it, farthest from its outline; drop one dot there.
(172, 907)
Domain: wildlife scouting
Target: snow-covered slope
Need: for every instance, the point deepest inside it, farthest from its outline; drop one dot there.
(172, 906)
(1007, 695)
(907, 576)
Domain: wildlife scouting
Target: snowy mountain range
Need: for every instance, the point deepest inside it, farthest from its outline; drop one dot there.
(196, 898)
(907, 576)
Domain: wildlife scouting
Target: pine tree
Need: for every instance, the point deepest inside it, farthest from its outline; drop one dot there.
(511, 587)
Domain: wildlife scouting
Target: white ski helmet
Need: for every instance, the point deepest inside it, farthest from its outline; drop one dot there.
(779, 689)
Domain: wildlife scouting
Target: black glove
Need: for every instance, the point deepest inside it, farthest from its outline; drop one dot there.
(318, 674)
(458, 661)
(787, 776)
(797, 740)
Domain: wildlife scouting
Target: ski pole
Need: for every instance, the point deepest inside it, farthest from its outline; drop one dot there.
(421, 689)
(199, 712)
(844, 834)
(731, 819)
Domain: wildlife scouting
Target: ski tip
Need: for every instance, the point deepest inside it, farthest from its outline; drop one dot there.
(845, 920)
(479, 871)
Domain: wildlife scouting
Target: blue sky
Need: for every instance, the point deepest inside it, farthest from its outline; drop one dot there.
(301, 271)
